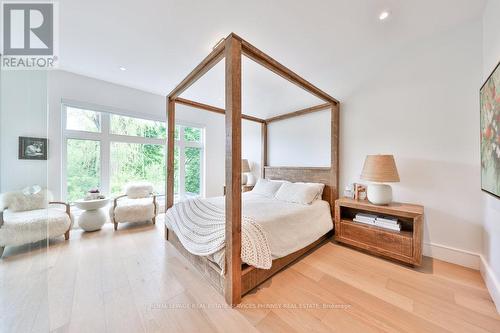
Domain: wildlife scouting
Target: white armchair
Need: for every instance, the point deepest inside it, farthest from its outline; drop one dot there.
(28, 218)
(138, 204)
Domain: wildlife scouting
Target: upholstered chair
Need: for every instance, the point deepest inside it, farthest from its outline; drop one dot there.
(138, 204)
(30, 217)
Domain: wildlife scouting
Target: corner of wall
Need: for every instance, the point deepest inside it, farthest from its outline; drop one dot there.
(491, 282)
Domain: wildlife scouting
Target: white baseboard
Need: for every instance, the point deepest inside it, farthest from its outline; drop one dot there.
(467, 259)
(491, 281)
(453, 255)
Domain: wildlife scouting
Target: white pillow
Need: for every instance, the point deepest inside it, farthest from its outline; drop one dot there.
(138, 190)
(300, 193)
(266, 187)
(20, 202)
(320, 188)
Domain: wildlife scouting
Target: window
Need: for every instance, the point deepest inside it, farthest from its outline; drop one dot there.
(105, 150)
(137, 127)
(83, 120)
(83, 167)
(188, 162)
(136, 162)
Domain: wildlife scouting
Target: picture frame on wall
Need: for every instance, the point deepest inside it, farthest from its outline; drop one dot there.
(32, 148)
(490, 133)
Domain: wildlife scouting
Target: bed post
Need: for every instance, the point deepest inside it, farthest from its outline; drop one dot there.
(334, 168)
(170, 151)
(263, 151)
(232, 288)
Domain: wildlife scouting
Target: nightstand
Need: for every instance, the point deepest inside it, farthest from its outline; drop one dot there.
(244, 188)
(404, 245)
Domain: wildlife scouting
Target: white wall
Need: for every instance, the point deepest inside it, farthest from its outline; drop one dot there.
(23, 112)
(69, 86)
(251, 146)
(423, 108)
(491, 205)
(300, 141)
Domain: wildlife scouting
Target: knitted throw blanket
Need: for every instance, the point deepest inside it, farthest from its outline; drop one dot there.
(200, 227)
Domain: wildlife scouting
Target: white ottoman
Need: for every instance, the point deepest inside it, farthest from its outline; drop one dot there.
(93, 216)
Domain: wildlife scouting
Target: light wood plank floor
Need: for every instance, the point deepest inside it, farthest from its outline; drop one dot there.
(133, 281)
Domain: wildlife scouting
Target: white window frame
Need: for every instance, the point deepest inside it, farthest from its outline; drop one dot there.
(105, 138)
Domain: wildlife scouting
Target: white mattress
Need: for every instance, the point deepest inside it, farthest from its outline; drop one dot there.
(289, 227)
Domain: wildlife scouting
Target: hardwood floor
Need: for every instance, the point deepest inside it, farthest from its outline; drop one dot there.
(131, 280)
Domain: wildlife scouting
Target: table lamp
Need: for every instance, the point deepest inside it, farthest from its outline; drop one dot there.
(380, 169)
(245, 167)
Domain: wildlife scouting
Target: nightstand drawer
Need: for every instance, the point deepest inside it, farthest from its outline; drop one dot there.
(384, 240)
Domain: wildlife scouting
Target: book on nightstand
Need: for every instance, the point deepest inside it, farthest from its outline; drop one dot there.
(382, 222)
(365, 218)
(386, 225)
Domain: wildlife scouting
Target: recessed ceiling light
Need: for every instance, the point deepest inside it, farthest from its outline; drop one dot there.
(123, 69)
(384, 15)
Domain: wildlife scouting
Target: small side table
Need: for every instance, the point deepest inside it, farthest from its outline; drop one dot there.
(93, 216)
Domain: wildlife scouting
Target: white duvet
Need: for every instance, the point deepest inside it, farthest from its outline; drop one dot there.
(289, 227)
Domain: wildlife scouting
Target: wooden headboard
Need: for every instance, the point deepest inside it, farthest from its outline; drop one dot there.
(307, 174)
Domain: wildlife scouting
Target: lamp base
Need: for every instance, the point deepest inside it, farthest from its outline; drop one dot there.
(250, 179)
(379, 194)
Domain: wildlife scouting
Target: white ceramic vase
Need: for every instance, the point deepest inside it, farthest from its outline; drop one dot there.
(379, 194)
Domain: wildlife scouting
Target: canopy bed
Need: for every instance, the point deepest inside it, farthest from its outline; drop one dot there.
(235, 278)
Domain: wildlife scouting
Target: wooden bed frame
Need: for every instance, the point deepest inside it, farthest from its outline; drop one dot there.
(240, 279)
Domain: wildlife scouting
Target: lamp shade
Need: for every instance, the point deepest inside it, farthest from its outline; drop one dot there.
(245, 167)
(380, 168)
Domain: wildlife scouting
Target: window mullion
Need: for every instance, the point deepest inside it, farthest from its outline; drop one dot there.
(105, 154)
(193, 144)
(64, 169)
(136, 139)
(182, 162)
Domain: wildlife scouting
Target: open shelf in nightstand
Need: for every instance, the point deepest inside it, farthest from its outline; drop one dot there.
(402, 233)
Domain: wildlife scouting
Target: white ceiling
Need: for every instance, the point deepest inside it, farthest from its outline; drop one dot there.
(335, 44)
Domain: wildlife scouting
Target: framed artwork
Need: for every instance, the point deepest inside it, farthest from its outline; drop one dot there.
(490, 133)
(32, 148)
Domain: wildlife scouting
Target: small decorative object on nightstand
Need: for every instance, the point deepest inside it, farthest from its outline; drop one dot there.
(403, 244)
(349, 191)
(359, 192)
(380, 169)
